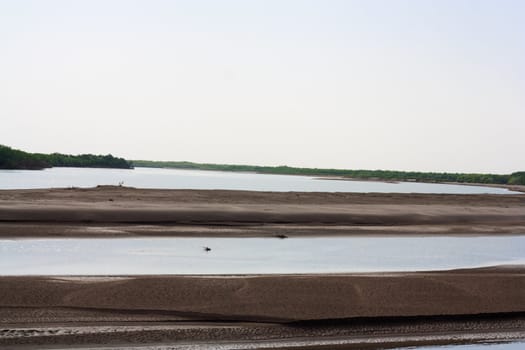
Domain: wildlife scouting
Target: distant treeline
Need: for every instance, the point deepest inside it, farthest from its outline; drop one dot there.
(517, 178)
(16, 159)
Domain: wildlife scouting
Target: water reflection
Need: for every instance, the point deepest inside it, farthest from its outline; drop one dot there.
(132, 256)
(480, 346)
(195, 179)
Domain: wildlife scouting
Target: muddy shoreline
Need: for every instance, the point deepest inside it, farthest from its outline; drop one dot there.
(378, 335)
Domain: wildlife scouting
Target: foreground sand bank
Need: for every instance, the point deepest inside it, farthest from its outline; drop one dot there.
(72, 310)
(116, 211)
(277, 298)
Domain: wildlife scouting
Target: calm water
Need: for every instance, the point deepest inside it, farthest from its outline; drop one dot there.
(483, 346)
(133, 256)
(196, 179)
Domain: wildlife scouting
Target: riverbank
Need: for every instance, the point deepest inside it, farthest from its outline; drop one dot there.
(270, 298)
(112, 211)
(73, 310)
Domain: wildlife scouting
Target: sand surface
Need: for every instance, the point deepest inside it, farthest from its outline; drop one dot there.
(116, 211)
(275, 298)
(344, 309)
(180, 309)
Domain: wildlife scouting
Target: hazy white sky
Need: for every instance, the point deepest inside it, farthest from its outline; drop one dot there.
(408, 85)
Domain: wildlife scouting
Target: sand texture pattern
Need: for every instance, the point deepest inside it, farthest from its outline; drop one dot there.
(115, 211)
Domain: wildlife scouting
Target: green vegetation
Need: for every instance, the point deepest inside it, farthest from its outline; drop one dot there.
(16, 159)
(383, 175)
(517, 178)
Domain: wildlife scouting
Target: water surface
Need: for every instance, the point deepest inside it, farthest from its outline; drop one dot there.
(136, 256)
(197, 179)
(480, 346)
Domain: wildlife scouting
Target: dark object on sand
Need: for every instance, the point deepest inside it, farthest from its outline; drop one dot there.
(207, 249)
(281, 236)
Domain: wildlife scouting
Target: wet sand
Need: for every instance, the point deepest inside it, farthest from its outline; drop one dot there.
(400, 308)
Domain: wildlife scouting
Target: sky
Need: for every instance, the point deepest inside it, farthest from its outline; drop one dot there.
(394, 84)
